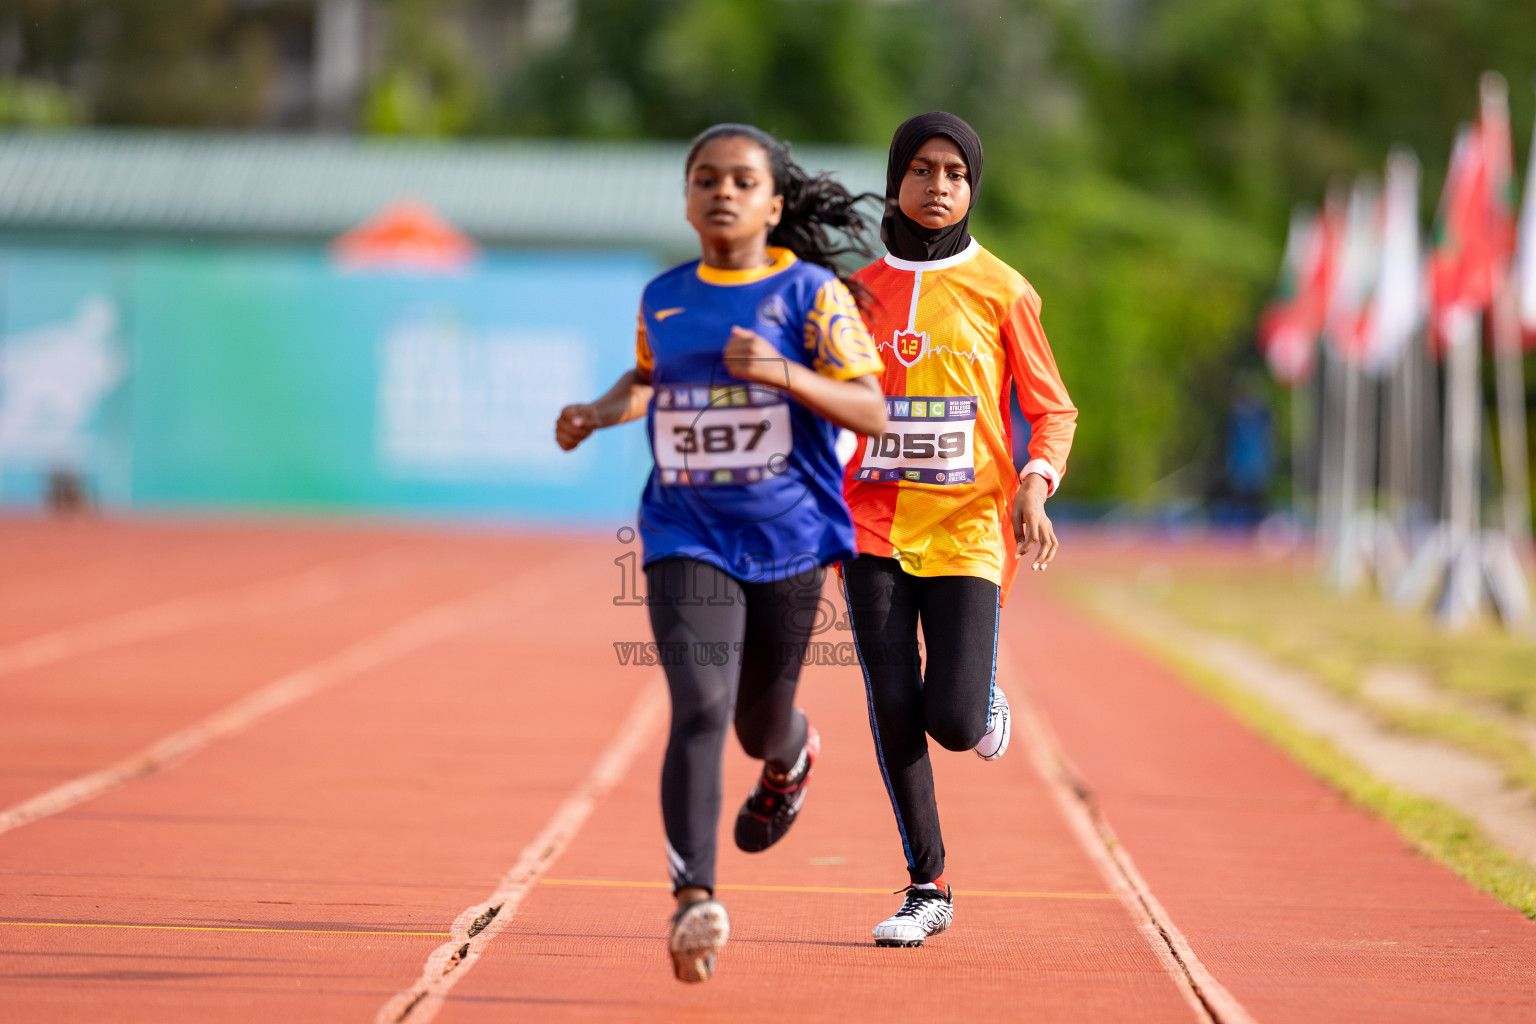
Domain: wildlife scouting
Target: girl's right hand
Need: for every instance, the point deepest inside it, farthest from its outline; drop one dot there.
(575, 424)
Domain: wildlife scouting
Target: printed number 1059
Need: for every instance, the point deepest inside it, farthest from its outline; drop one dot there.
(921, 446)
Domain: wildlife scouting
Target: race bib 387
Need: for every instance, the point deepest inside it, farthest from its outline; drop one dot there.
(928, 441)
(708, 436)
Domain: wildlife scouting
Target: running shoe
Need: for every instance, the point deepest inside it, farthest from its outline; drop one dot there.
(999, 728)
(773, 805)
(924, 912)
(699, 931)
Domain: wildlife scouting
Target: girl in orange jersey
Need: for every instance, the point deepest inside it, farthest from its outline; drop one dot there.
(934, 497)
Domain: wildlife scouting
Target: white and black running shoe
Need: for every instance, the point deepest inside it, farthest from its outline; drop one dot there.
(999, 728)
(699, 931)
(924, 912)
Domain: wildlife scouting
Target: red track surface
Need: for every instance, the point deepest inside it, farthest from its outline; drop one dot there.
(307, 864)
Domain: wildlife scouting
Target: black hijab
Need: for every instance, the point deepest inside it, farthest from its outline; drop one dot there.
(903, 236)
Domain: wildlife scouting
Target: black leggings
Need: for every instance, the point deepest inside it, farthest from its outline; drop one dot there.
(731, 651)
(950, 702)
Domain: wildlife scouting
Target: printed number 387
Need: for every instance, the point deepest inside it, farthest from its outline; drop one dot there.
(719, 437)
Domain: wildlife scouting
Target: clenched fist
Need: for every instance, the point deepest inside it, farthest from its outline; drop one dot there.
(575, 424)
(750, 356)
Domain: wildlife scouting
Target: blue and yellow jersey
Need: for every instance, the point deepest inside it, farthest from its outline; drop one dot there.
(745, 477)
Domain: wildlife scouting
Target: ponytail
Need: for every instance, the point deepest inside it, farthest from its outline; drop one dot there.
(814, 207)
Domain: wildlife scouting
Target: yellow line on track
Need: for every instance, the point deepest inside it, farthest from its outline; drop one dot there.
(201, 928)
(600, 882)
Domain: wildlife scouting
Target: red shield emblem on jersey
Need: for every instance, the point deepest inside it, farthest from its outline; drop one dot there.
(911, 346)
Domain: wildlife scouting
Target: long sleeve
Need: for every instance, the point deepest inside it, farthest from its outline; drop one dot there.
(1043, 397)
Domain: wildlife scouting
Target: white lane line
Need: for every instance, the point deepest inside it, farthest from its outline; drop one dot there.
(310, 588)
(431, 626)
(1207, 997)
(474, 929)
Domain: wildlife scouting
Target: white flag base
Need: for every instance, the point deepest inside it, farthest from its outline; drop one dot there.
(1464, 570)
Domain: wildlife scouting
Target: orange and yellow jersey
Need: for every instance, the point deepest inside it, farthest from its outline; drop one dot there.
(936, 491)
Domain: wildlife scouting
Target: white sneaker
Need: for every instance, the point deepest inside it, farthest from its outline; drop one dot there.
(699, 931)
(999, 728)
(923, 913)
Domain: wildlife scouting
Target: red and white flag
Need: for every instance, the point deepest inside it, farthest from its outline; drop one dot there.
(1282, 332)
(1499, 157)
(1475, 228)
(1292, 322)
(1359, 256)
(1526, 281)
(1397, 299)
(1458, 279)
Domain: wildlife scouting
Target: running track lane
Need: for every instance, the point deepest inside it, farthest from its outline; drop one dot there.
(309, 865)
(387, 805)
(305, 866)
(70, 716)
(1306, 909)
(1038, 934)
(56, 574)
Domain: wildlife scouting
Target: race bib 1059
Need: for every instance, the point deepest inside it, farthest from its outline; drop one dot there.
(710, 436)
(928, 441)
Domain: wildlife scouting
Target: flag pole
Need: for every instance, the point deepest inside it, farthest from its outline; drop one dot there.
(1369, 535)
(1461, 599)
(1513, 454)
(1344, 560)
(1506, 555)
(1356, 276)
(1329, 455)
(1514, 457)
(1393, 457)
(1301, 430)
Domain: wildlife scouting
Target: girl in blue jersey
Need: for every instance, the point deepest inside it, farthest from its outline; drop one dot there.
(748, 361)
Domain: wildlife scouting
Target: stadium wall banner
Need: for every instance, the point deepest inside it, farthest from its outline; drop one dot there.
(269, 379)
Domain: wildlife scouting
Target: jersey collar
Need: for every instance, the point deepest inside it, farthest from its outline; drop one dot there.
(944, 264)
(782, 259)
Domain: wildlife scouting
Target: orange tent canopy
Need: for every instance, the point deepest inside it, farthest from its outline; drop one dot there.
(405, 235)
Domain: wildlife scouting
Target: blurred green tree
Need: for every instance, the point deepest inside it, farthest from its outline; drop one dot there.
(427, 82)
(179, 62)
(132, 62)
(1142, 155)
(32, 104)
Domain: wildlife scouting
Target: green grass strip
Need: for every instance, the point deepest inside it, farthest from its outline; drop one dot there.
(1434, 829)
(1482, 676)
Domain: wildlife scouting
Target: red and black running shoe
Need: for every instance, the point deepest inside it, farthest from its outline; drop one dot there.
(774, 804)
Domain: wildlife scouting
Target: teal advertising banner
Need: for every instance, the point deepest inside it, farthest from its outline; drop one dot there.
(270, 379)
(63, 370)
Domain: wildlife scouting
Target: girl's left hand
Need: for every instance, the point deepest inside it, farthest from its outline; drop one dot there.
(750, 356)
(1031, 526)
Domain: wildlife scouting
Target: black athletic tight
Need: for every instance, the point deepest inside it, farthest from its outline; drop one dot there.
(950, 701)
(732, 652)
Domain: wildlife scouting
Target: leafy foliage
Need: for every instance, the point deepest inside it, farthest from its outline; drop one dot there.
(428, 84)
(1142, 155)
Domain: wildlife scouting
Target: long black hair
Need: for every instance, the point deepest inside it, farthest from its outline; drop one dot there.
(816, 208)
